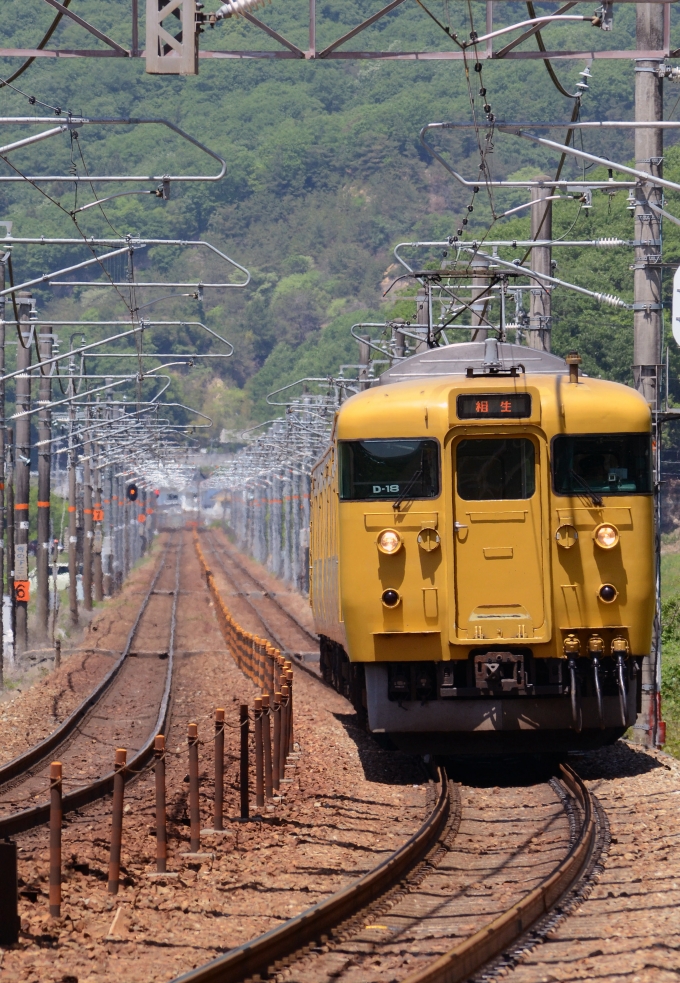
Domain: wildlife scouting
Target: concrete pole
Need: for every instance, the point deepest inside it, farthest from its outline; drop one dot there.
(647, 321)
(480, 281)
(266, 523)
(9, 488)
(422, 316)
(125, 521)
(107, 558)
(98, 528)
(297, 515)
(540, 314)
(44, 486)
(275, 544)
(87, 523)
(72, 526)
(2, 475)
(142, 524)
(399, 340)
(22, 465)
(286, 546)
(305, 488)
(364, 359)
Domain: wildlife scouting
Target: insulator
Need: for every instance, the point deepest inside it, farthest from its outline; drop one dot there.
(612, 300)
(236, 7)
(612, 241)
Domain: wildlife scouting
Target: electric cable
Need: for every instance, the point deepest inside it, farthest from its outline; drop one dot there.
(541, 47)
(73, 219)
(39, 47)
(87, 174)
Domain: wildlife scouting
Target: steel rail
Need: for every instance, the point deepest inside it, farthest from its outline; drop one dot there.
(246, 597)
(40, 751)
(20, 822)
(470, 955)
(310, 634)
(260, 954)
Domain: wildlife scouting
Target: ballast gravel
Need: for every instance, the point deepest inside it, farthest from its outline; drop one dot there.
(628, 929)
(32, 713)
(349, 805)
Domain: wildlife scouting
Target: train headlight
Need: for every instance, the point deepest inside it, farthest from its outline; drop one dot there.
(390, 597)
(606, 536)
(389, 541)
(608, 593)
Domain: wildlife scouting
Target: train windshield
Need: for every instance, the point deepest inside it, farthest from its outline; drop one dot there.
(604, 463)
(495, 469)
(387, 469)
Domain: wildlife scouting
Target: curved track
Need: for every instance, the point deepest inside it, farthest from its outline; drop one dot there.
(112, 703)
(279, 624)
(332, 922)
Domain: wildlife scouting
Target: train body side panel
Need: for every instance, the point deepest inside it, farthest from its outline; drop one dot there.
(324, 552)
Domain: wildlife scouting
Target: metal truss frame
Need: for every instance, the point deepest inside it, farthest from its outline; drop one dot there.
(336, 50)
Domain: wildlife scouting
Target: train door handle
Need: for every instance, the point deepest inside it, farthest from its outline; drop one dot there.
(459, 525)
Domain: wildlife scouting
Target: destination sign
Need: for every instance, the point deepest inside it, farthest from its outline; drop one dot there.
(493, 406)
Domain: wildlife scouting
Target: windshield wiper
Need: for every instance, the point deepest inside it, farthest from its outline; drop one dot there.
(594, 497)
(409, 485)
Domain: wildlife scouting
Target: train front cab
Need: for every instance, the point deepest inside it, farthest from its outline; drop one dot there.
(517, 607)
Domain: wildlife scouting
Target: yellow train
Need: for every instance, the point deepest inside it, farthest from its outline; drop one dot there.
(482, 552)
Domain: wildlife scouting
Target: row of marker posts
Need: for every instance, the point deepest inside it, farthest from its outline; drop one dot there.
(273, 738)
(273, 734)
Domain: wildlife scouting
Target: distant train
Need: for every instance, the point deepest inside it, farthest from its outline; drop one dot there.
(482, 552)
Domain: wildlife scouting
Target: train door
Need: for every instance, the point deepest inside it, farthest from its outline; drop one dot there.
(499, 582)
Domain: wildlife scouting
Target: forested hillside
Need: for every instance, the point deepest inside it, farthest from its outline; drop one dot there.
(325, 175)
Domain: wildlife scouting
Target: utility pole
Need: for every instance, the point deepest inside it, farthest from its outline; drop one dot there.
(540, 314)
(44, 489)
(109, 534)
(480, 283)
(22, 470)
(2, 474)
(364, 361)
(87, 523)
(647, 320)
(98, 525)
(72, 527)
(9, 488)
(423, 317)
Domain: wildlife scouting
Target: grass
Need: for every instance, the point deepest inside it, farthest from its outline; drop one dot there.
(670, 662)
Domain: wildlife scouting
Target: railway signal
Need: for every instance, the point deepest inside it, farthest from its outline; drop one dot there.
(132, 492)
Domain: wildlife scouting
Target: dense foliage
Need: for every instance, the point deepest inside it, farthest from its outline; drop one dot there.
(325, 175)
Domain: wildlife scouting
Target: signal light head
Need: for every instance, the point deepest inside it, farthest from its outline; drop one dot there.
(606, 536)
(389, 541)
(132, 492)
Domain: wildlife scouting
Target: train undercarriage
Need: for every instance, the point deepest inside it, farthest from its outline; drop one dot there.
(496, 701)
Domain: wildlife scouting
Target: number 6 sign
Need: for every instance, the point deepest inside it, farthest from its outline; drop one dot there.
(22, 590)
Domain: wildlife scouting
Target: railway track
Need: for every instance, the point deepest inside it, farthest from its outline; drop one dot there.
(279, 624)
(338, 925)
(123, 697)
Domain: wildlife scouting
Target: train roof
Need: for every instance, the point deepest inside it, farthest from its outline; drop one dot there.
(422, 390)
(490, 355)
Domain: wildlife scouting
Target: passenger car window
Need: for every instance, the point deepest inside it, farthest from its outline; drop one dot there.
(384, 470)
(495, 469)
(605, 463)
